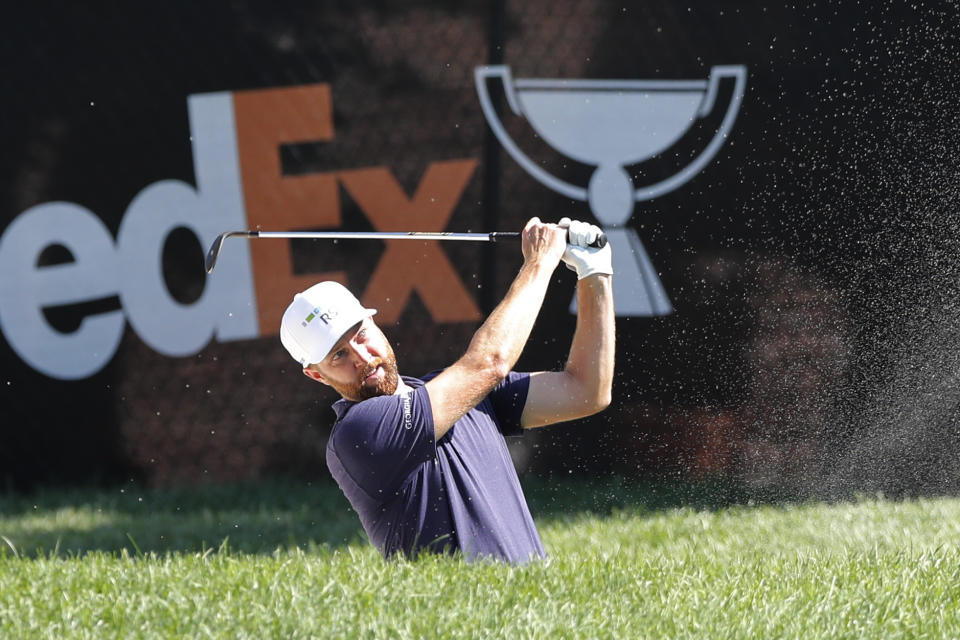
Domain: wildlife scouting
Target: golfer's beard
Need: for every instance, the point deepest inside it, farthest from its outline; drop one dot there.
(385, 385)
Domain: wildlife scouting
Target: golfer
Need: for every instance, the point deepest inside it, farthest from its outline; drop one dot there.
(423, 461)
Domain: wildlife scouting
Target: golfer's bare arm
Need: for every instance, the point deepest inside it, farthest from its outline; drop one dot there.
(583, 387)
(497, 344)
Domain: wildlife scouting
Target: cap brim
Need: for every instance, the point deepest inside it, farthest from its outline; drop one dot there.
(315, 357)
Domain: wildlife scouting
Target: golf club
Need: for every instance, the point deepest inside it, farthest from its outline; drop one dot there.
(493, 236)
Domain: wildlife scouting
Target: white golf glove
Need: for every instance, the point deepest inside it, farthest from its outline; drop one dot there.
(581, 258)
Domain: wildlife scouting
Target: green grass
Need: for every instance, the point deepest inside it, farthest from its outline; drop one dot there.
(288, 560)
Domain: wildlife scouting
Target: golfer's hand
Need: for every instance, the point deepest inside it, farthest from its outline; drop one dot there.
(581, 258)
(543, 243)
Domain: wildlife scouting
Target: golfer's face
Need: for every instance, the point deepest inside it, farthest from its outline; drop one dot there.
(361, 365)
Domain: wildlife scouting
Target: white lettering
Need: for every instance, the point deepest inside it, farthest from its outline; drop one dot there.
(133, 269)
(217, 166)
(26, 289)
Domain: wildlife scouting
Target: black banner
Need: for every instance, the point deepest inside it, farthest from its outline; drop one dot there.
(780, 183)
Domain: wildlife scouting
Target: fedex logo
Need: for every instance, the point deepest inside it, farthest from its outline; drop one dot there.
(236, 139)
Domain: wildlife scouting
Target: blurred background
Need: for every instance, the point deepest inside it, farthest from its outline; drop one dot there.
(811, 263)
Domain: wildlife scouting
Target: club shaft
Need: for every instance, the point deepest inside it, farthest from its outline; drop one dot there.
(386, 235)
(492, 236)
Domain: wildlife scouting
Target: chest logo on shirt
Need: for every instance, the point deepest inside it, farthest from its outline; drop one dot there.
(407, 412)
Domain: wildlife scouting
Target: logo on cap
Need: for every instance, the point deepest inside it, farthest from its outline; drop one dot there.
(325, 316)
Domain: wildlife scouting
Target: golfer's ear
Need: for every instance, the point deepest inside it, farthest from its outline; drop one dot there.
(314, 375)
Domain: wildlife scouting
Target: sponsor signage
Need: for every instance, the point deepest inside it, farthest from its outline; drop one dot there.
(235, 139)
(239, 184)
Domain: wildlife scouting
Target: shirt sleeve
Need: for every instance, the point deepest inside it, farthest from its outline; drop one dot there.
(508, 399)
(381, 441)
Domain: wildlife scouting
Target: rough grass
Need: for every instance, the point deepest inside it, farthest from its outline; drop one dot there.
(287, 560)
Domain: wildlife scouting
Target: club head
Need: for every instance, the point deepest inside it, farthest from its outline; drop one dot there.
(214, 253)
(211, 260)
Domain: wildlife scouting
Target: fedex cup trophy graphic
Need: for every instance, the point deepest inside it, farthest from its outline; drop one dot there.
(611, 124)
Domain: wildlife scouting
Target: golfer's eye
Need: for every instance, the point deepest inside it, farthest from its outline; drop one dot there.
(337, 355)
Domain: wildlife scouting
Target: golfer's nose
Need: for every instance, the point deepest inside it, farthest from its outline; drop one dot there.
(360, 351)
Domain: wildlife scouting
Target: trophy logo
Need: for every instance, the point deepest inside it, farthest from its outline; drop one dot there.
(612, 124)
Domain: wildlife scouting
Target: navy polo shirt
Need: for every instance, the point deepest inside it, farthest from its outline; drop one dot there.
(414, 493)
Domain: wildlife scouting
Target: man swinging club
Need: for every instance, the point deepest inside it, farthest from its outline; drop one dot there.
(424, 461)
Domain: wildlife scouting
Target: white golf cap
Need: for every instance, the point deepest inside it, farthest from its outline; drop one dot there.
(317, 318)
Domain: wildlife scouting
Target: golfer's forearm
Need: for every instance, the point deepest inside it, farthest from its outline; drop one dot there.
(493, 351)
(500, 340)
(591, 357)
